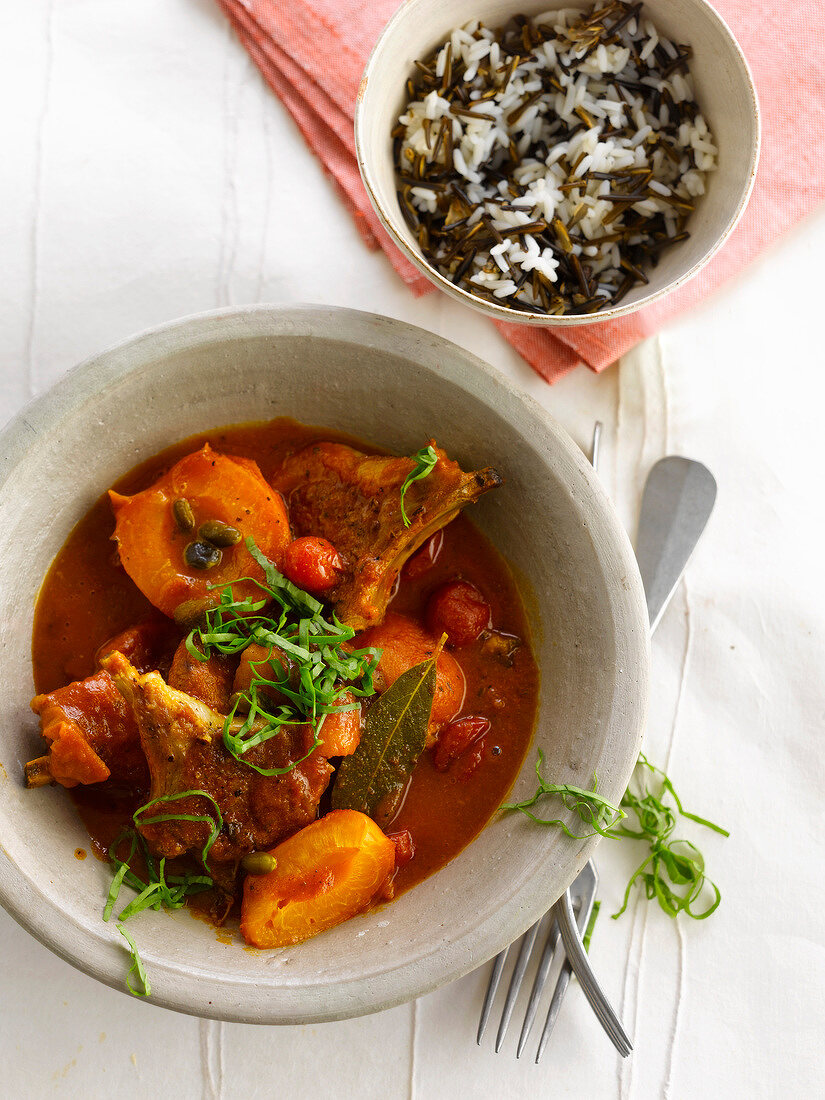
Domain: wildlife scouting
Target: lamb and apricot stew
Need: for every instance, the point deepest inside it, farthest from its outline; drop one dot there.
(281, 676)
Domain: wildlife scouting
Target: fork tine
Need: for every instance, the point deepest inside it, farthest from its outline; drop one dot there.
(585, 886)
(547, 956)
(587, 979)
(490, 995)
(553, 1010)
(594, 450)
(515, 982)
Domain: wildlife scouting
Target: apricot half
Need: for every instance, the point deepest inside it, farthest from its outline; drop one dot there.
(152, 545)
(340, 732)
(403, 644)
(326, 873)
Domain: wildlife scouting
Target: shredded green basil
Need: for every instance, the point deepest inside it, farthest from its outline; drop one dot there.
(673, 871)
(424, 460)
(591, 924)
(290, 620)
(594, 810)
(162, 890)
(144, 989)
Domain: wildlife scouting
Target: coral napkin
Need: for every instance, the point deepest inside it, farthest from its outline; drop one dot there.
(312, 54)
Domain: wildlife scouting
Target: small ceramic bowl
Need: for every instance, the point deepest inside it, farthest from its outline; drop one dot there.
(394, 385)
(724, 89)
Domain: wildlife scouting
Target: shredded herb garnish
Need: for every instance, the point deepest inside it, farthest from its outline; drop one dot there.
(594, 810)
(137, 968)
(162, 891)
(424, 460)
(673, 871)
(591, 924)
(294, 624)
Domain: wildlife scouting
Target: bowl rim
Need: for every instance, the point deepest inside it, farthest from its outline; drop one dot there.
(524, 317)
(182, 986)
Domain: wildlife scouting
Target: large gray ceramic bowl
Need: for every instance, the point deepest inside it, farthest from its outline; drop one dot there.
(395, 385)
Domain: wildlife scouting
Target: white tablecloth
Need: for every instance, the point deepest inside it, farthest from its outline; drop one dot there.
(147, 173)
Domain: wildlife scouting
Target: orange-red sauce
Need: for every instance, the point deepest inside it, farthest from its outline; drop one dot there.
(86, 598)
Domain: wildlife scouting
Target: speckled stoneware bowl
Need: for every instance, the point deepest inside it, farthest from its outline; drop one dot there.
(395, 385)
(724, 90)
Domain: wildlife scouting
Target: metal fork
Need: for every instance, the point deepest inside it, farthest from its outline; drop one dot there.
(678, 499)
(579, 899)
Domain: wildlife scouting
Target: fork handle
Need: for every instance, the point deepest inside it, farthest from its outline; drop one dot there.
(580, 964)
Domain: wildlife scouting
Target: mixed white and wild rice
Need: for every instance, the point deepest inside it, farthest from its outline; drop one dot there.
(546, 164)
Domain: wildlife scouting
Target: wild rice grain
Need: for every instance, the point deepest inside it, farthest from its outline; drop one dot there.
(568, 136)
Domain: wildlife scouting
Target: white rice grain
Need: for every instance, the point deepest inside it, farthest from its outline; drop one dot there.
(550, 140)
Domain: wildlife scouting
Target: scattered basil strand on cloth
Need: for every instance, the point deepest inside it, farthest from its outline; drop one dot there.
(395, 734)
(591, 924)
(424, 460)
(673, 871)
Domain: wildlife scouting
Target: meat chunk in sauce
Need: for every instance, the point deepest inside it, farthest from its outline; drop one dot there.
(209, 680)
(183, 744)
(354, 500)
(92, 734)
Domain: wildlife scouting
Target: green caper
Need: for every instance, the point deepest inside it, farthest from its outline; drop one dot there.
(191, 613)
(202, 555)
(219, 534)
(238, 701)
(184, 516)
(259, 863)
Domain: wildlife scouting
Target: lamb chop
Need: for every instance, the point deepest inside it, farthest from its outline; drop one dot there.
(182, 740)
(91, 733)
(354, 500)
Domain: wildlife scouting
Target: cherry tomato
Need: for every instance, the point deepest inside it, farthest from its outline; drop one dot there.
(458, 609)
(313, 564)
(425, 557)
(456, 737)
(404, 847)
(471, 760)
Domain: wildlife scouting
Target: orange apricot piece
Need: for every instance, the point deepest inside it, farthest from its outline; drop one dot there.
(341, 730)
(403, 644)
(326, 873)
(216, 487)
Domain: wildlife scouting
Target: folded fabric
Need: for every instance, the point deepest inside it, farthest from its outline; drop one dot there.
(312, 54)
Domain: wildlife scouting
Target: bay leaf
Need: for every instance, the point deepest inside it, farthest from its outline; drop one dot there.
(395, 733)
